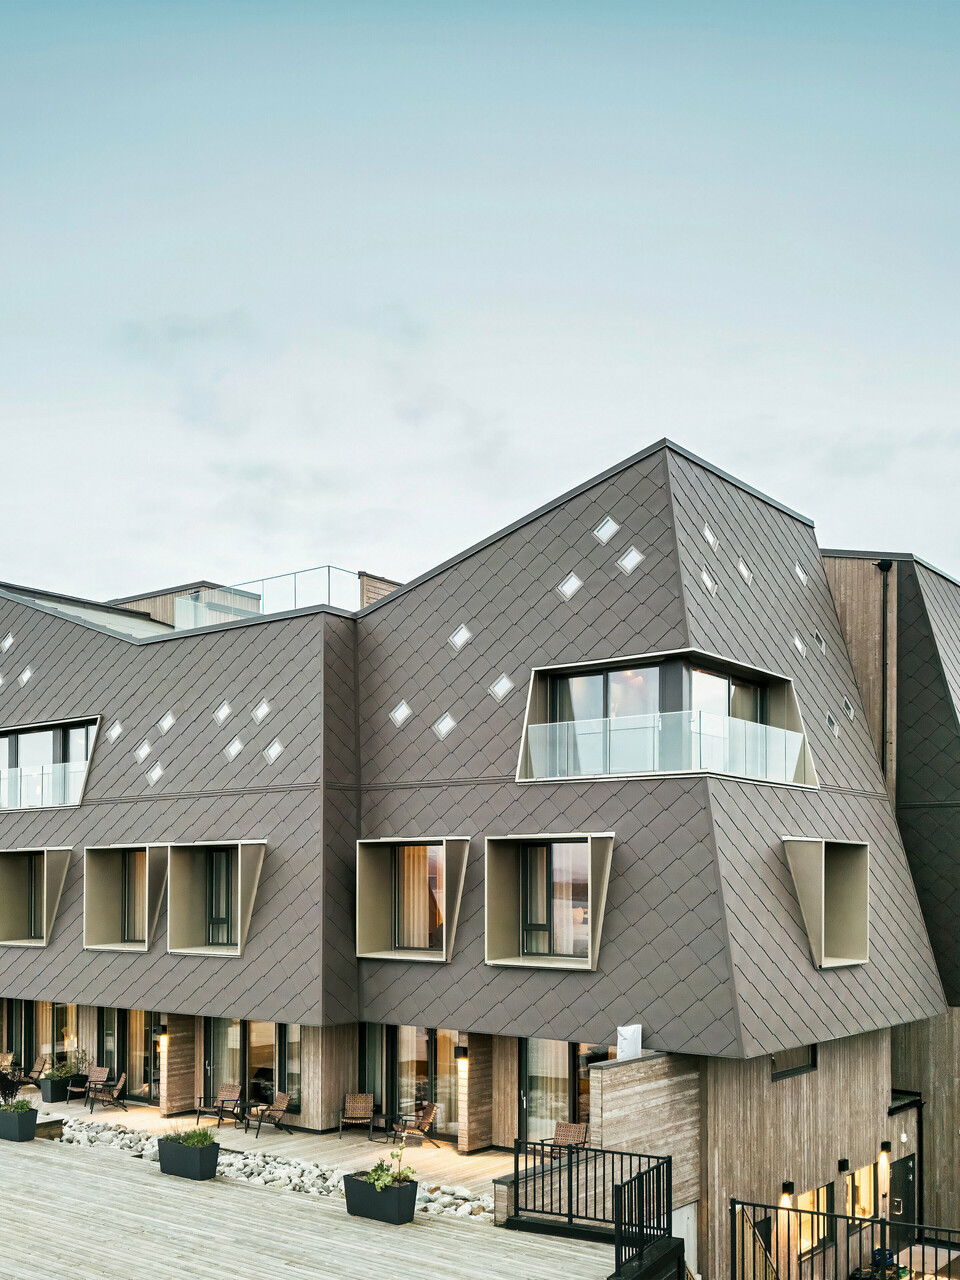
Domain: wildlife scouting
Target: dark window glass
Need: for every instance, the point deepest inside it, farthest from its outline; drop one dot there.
(35, 895)
(288, 1059)
(793, 1062)
(221, 898)
(554, 899)
(418, 897)
(134, 895)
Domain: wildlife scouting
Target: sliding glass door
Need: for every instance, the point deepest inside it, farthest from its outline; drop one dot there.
(143, 1055)
(426, 1071)
(544, 1087)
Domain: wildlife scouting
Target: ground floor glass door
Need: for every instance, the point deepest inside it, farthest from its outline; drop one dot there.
(544, 1087)
(426, 1071)
(261, 1052)
(21, 1033)
(223, 1054)
(143, 1055)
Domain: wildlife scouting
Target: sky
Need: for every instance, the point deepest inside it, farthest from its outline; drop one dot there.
(289, 283)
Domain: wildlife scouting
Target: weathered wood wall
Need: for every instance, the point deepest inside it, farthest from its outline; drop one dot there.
(926, 1058)
(475, 1094)
(652, 1106)
(505, 1083)
(178, 1070)
(339, 1071)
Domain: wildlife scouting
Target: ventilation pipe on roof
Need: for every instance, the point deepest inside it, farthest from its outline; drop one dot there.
(884, 566)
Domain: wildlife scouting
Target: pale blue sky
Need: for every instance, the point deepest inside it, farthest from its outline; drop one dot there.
(286, 283)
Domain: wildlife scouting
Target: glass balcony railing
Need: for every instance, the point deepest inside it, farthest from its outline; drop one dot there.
(670, 742)
(35, 786)
(325, 584)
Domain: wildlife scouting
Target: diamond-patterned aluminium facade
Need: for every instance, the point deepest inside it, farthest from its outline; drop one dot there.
(703, 940)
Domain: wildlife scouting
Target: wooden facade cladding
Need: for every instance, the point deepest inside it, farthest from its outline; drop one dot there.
(505, 1065)
(857, 587)
(926, 1059)
(178, 1083)
(651, 1105)
(475, 1094)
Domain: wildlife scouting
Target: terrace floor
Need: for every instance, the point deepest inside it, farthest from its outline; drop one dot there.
(442, 1164)
(98, 1215)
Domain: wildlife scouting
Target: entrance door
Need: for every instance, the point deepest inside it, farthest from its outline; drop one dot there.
(223, 1054)
(143, 1055)
(426, 1071)
(903, 1202)
(544, 1087)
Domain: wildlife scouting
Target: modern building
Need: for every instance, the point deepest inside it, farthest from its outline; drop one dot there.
(610, 766)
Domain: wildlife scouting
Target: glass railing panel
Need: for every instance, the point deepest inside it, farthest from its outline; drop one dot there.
(675, 741)
(40, 786)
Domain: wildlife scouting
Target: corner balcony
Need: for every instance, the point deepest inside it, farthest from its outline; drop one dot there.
(42, 786)
(668, 742)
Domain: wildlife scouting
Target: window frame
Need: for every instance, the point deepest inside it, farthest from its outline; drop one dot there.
(789, 1072)
(282, 1049)
(818, 1214)
(128, 872)
(396, 867)
(548, 927)
(225, 855)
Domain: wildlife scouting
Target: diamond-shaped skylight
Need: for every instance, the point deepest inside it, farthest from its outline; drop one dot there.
(708, 582)
(798, 644)
(445, 725)
(143, 750)
(261, 711)
(711, 537)
(114, 732)
(233, 748)
(463, 635)
(155, 773)
(569, 587)
(848, 710)
(401, 713)
(801, 573)
(821, 643)
(833, 725)
(222, 713)
(501, 687)
(630, 560)
(25, 675)
(272, 752)
(605, 529)
(6, 642)
(746, 573)
(166, 722)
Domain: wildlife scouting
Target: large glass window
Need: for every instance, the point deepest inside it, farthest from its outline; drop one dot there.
(35, 903)
(44, 766)
(224, 1053)
(134, 895)
(43, 1025)
(221, 897)
(261, 1049)
(64, 1031)
(108, 1037)
(288, 1060)
(413, 1069)
(143, 1054)
(418, 897)
(861, 1192)
(815, 1228)
(426, 1071)
(719, 695)
(587, 1055)
(554, 900)
(545, 1086)
(445, 1083)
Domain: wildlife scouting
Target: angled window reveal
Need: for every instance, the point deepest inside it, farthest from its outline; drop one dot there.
(683, 712)
(42, 766)
(211, 891)
(832, 879)
(545, 899)
(122, 894)
(408, 896)
(31, 882)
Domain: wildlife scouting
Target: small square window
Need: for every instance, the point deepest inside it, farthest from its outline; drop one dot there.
(6, 642)
(261, 711)
(848, 710)
(401, 713)
(222, 713)
(114, 732)
(569, 587)
(155, 773)
(746, 573)
(166, 722)
(798, 644)
(273, 752)
(711, 537)
(501, 687)
(821, 643)
(801, 573)
(462, 636)
(605, 529)
(143, 750)
(25, 675)
(630, 560)
(444, 726)
(708, 582)
(833, 725)
(233, 748)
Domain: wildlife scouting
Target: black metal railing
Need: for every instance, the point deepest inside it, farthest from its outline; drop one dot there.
(592, 1188)
(770, 1242)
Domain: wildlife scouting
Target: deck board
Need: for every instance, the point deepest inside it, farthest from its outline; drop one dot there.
(96, 1215)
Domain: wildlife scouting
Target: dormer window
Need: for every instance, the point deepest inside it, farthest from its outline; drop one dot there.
(47, 766)
(418, 897)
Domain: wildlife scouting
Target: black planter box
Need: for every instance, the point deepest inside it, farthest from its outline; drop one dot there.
(54, 1090)
(393, 1204)
(18, 1126)
(198, 1163)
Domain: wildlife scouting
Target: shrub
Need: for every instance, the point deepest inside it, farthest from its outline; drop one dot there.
(18, 1106)
(190, 1137)
(383, 1174)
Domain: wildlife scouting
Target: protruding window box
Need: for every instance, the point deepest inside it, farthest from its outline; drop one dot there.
(211, 888)
(832, 879)
(408, 896)
(122, 895)
(545, 899)
(31, 882)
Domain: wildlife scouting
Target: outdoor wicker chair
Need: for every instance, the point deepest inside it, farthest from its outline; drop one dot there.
(36, 1071)
(565, 1135)
(272, 1113)
(109, 1095)
(224, 1106)
(416, 1127)
(97, 1076)
(357, 1109)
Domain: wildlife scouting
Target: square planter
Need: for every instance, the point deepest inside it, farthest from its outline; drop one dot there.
(18, 1126)
(393, 1204)
(198, 1163)
(54, 1090)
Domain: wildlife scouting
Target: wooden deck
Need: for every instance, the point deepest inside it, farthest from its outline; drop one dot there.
(442, 1164)
(95, 1215)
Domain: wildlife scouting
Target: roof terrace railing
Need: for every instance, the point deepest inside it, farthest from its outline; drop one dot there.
(323, 584)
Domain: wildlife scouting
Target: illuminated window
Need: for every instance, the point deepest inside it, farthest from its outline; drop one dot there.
(861, 1192)
(816, 1224)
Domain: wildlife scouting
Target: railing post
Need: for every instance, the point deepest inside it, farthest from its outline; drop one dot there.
(669, 1216)
(617, 1226)
(569, 1186)
(516, 1177)
(883, 1249)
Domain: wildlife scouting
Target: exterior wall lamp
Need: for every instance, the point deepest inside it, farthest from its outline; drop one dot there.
(886, 1146)
(843, 1166)
(461, 1052)
(785, 1201)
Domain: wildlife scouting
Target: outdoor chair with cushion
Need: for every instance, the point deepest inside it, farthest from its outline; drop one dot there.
(271, 1113)
(36, 1071)
(97, 1076)
(226, 1105)
(357, 1109)
(108, 1095)
(415, 1128)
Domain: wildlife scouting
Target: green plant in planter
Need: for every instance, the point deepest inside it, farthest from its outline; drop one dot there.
(190, 1137)
(383, 1174)
(74, 1064)
(19, 1106)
